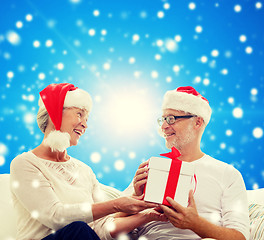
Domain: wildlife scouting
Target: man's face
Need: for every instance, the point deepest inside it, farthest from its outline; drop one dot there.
(181, 133)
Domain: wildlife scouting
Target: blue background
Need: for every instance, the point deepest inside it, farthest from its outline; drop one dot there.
(127, 54)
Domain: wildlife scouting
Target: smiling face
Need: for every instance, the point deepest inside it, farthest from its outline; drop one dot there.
(181, 134)
(74, 122)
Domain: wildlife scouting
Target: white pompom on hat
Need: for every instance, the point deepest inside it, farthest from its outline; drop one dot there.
(54, 98)
(187, 99)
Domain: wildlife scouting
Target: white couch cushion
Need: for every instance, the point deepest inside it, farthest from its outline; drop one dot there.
(256, 196)
(7, 213)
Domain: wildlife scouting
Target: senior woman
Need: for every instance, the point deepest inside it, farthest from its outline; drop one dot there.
(57, 196)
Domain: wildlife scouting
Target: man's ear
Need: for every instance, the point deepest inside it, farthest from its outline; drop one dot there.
(199, 122)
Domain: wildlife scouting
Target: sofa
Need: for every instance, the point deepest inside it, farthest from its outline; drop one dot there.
(8, 219)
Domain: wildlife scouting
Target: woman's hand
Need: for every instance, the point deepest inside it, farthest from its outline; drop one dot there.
(154, 214)
(126, 223)
(140, 178)
(132, 205)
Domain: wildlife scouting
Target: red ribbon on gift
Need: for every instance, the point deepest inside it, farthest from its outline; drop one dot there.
(174, 174)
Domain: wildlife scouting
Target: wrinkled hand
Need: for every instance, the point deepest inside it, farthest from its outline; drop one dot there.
(132, 205)
(140, 178)
(179, 216)
(155, 214)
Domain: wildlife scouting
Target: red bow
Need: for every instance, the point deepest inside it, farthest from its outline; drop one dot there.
(174, 154)
(174, 174)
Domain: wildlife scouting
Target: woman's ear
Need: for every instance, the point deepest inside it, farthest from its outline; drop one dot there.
(50, 125)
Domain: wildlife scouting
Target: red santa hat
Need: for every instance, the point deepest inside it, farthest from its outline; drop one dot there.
(54, 98)
(187, 99)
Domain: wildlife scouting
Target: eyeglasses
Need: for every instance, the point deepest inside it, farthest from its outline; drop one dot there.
(171, 119)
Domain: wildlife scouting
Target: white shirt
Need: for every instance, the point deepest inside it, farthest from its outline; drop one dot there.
(49, 195)
(220, 198)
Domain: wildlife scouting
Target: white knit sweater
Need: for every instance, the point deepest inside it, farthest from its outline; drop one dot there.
(49, 195)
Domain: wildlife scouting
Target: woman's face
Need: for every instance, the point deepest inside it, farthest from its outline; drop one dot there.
(74, 122)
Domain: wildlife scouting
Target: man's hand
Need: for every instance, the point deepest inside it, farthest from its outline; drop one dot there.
(140, 178)
(188, 218)
(179, 216)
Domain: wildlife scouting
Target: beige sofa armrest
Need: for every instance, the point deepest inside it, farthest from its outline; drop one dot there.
(110, 192)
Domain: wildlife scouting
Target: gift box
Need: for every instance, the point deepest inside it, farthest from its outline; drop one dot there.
(169, 178)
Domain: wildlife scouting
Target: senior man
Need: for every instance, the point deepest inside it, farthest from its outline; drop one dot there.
(218, 209)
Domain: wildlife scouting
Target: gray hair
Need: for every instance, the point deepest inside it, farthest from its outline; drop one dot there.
(42, 119)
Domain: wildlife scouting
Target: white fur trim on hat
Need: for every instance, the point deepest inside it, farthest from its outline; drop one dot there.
(76, 98)
(186, 102)
(58, 141)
